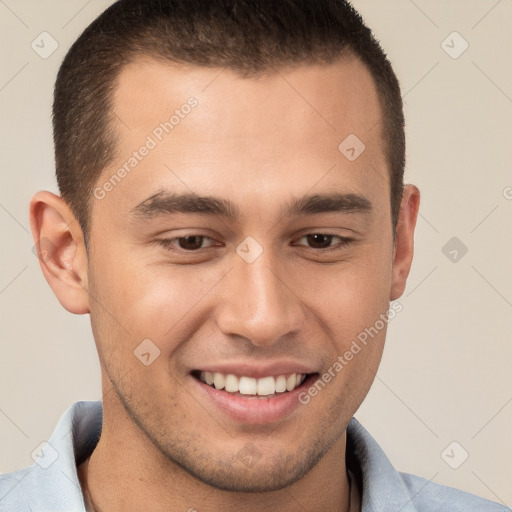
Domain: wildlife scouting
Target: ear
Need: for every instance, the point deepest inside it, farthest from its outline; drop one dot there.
(404, 240)
(61, 250)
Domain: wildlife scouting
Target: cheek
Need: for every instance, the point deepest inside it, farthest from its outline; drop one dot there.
(355, 314)
(159, 302)
(349, 297)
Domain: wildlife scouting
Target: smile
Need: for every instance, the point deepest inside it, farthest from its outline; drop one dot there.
(257, 399)
(253, 387)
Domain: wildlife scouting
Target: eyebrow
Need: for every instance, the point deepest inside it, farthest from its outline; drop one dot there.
(169, 203)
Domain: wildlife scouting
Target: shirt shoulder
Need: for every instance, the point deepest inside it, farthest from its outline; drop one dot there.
(428, 496)
(383, 488)
(32, 489)
(11, 496)
(52, 483)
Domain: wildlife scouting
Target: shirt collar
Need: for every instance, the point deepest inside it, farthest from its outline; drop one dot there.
(51, 483)
(381, 487)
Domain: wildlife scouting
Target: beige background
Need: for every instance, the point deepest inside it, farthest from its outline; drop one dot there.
(446, 373)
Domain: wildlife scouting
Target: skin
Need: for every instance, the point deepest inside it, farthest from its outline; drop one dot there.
(258, 142)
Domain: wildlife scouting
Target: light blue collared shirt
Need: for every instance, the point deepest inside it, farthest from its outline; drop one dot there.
(51, 484)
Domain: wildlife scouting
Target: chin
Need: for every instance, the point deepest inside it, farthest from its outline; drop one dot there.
(247, 471)
(258, 479)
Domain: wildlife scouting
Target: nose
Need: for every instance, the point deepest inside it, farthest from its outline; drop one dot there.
(258, 302)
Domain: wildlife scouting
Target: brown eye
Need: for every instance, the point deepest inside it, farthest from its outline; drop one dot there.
(319, 241)
(323, 241)
(190, 243)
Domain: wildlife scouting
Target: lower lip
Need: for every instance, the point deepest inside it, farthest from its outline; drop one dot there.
(256, 411)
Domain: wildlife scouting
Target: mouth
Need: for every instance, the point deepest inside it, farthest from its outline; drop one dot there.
(252, 400)
(251, 387)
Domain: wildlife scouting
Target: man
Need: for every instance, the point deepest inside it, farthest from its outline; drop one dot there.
(233, 218)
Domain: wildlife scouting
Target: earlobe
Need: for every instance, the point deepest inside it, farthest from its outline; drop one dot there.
(404, 240)
(61, 250)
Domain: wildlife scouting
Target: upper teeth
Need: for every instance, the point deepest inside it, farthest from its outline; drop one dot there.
(251, 386)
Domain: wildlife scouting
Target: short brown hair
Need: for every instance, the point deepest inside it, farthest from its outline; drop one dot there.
(247, 36)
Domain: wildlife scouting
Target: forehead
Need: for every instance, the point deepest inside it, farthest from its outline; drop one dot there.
(252, 138)
(340, 95)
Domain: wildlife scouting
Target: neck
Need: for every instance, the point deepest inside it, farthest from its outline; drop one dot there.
(127, 472)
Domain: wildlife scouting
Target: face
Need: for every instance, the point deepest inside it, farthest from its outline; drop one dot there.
(261, 279)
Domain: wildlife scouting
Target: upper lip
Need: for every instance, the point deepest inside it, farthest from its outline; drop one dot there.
(259, 370)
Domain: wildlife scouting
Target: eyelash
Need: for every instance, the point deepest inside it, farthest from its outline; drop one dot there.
(167, 243)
